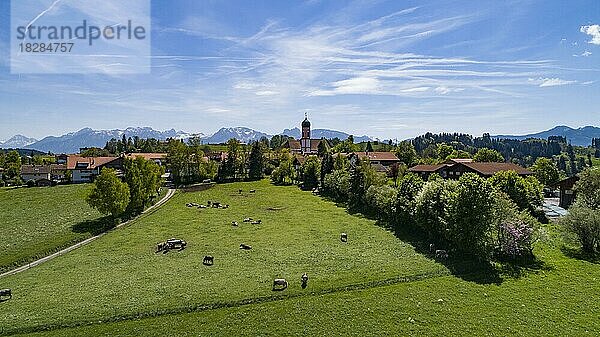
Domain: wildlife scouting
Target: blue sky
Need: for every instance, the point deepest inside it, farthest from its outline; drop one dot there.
(389, 69)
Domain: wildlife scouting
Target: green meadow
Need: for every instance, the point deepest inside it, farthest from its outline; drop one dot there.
(378, 283)
(37, 221)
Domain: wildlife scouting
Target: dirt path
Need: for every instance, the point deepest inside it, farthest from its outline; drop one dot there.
(167, 196)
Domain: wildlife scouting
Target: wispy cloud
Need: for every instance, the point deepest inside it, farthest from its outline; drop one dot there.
(551, 82)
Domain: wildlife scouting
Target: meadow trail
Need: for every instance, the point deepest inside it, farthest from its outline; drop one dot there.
(147, 211)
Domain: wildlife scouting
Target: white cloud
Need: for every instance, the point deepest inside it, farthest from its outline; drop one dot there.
(593, 31)
(586, 53)
(444, 90)
(416, 89)
(266, 93)
(550, 82)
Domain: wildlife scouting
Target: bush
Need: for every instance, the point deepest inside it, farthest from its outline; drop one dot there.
(337, 185)
(585, 223)
(409, 187)
(588, 188)
(584, 216)
(310, 173)
(516, 231)
(526, 193)
(472, 214)
(433, 207)
(380, 201)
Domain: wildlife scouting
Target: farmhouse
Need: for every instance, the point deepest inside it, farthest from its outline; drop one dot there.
(305, 145)
(85, 169)
(43, 174)
(454, 168)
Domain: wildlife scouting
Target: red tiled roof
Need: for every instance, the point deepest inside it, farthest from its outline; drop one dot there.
(89, 162)
(491, 168)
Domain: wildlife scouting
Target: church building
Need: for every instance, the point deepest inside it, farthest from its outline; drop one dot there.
(305, 145)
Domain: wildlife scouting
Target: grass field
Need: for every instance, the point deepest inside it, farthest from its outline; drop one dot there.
(37, 221)
(375, 284)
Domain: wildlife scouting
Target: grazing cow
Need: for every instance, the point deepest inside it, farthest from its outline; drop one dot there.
(304, 280)
(209, 203)
(208, 260)
(216, 204)
(252, 191)
(234, 223)
(344, 237)
(441, 254)
(257, 222)
(247, 219)
(240, 191)
(225, 206)
(175, 243)
(280, 284)
(202, 206)
(245, 246)
(5, 292)
(160, 247)
(431, 248)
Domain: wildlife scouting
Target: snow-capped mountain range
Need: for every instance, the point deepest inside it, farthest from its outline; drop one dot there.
(87, 137)
(17, 141)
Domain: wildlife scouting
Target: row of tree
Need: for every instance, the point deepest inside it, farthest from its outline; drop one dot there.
(472, 215)
(140, 184)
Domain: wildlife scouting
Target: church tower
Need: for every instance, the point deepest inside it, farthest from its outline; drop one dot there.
(305, 140)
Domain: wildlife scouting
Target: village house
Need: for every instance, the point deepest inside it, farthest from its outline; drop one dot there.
(454, 168)
(43, 175)
(85, 169)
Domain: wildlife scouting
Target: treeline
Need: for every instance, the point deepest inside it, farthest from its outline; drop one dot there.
(523, 152)
(486, 218)
(130, 194)
(434, 148)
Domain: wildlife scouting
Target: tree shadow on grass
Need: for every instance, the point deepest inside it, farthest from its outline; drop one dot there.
(577, 253)
(520, 268)
(94, 227)
(465, 267)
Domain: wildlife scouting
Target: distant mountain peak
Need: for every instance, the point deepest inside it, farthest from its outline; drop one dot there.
(17, 141)
(581, 136)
